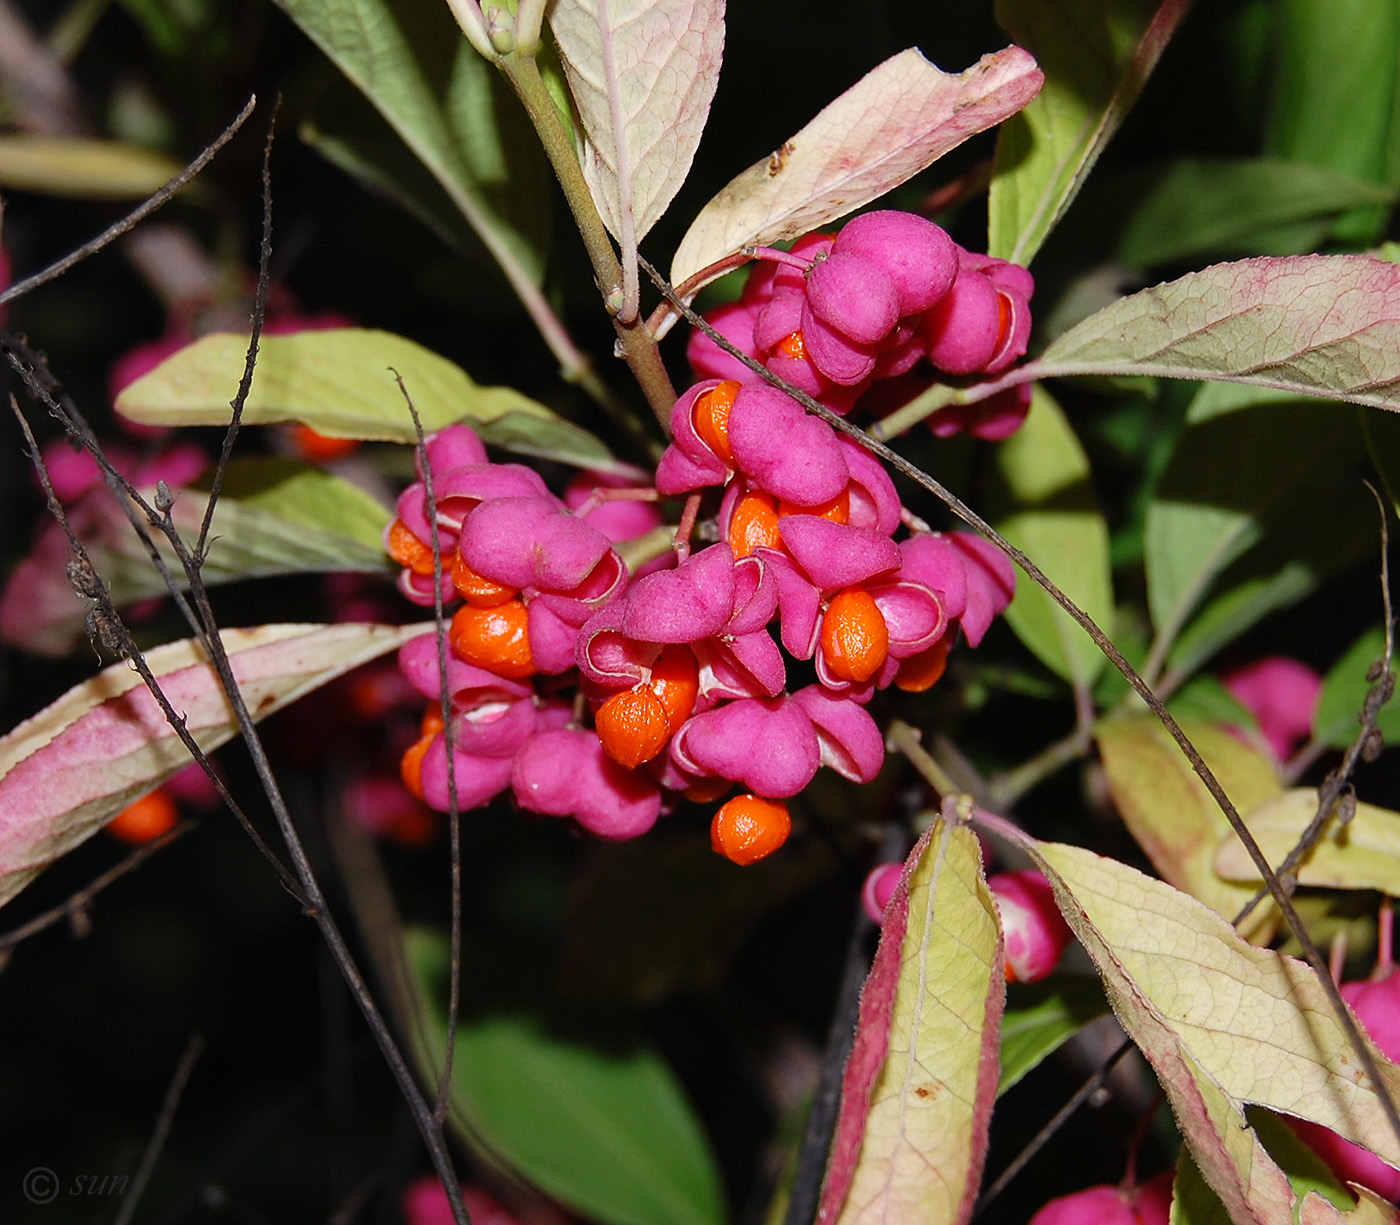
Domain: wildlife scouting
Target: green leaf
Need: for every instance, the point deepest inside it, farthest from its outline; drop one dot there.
(1334, 91)
(83, 169)
(277, 517)
(1043, 501)
(1306, 1171)
(921, 1077)
(1362, 854)
(1232, 479)
(449, 106)
(593, 1118)
(105, 743)
(1096, 55)
(347, 131)
(304, 494)
(1300, 551)
(340, 381)
(1321, 325)
(1338, 718)
(1193, 207)
(1040, 1017)
(1168, 810)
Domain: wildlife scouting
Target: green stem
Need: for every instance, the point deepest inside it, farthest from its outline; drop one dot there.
(639, 348)
(907, 740)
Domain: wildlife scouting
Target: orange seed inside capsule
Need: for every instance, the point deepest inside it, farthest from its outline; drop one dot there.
(793, 345)
(747, 828)
(476, 588)
(675, 680)
(411, 764)
(922, 671)
(754, 525)
(497, 639)
(632, 727)
(855, 639)
(406, 549)
(711, 417)
(838, 510)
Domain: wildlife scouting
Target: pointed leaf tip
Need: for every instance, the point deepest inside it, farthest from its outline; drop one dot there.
(922, 1076)
(642, 74)
(105, 743)
(1318, 325)
(897, 120)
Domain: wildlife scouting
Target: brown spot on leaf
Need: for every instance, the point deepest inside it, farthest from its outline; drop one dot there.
(927, 1090)
(779, 159)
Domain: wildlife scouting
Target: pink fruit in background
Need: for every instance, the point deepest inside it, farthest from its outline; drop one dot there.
(1148, 1204)
(1031, 924)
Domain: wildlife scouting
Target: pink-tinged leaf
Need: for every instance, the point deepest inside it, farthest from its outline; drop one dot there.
(105, 743)
(1172, 816)
(642, 74)
(1319, 325)
(922, 1075)
(1223, 1023)
(1097, 57)
(894, 122)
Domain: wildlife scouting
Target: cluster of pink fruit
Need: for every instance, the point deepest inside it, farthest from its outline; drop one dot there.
(597, 694)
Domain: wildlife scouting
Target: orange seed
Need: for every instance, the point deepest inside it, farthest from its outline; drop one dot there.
(406, 549)
(411, 765)
(855, 639)
(497, 639)
(838, 510)
(675, 680)
(793, 346)
(748, 828)
(754, 525)
(316, 447)
(145, 820)
(711, 417)
(921, 671)
(632, 727)
(476, 588)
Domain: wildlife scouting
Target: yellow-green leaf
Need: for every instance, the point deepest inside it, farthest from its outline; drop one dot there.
(83, 169)
(339, 381)
(1224, 1023)
(923, 1072)
(1363, 854)
(1172, 816)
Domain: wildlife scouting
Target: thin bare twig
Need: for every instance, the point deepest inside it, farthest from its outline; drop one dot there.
(454, 821)
(105, 623)
(250, 361)
(82, 899)
(161, 1133)
(1336, 794)
(133, 218)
